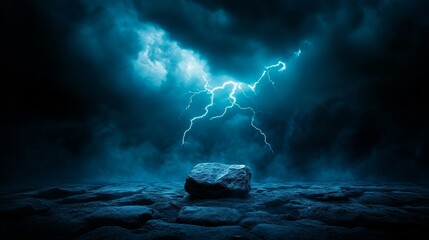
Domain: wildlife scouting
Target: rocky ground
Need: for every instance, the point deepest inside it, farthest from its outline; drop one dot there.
(165, 211)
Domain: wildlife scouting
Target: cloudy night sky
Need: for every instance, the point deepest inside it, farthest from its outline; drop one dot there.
(98, 90)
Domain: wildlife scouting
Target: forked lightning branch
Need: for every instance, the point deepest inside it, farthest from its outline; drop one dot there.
(234, 89)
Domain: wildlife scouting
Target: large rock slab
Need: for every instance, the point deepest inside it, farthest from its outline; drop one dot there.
(124, 216)
(110, 232)
(258, 217)
(208, 216)
(214, 180)
(56, 193)
(310, 229)
(157, 229)
(15, 209)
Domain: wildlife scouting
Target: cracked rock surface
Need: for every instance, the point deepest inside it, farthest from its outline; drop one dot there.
(166, 211)
(215, 180)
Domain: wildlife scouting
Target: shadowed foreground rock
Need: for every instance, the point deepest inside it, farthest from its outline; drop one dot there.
(215, 180)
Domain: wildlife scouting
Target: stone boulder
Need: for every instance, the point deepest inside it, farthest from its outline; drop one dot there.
(215, 180)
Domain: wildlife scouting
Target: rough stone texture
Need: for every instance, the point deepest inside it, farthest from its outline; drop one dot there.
(311, 229)
(208, 216)
(56, 193)
(156, 229)
(124, 216)
(110, 232)
(23, 208)
(214, 180)
(270, 211)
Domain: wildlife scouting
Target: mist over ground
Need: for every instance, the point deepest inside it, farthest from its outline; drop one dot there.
(98, 90)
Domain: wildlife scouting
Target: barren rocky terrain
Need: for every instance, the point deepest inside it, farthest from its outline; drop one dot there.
(165, 211)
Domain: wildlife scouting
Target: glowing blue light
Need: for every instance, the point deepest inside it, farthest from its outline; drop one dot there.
(233, 99)
(297, 53)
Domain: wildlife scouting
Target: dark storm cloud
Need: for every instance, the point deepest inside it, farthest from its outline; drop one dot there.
(232, 32)
(96, 90)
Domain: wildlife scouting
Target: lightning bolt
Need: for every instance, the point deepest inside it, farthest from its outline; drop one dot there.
(235, 87)
(267, 72)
